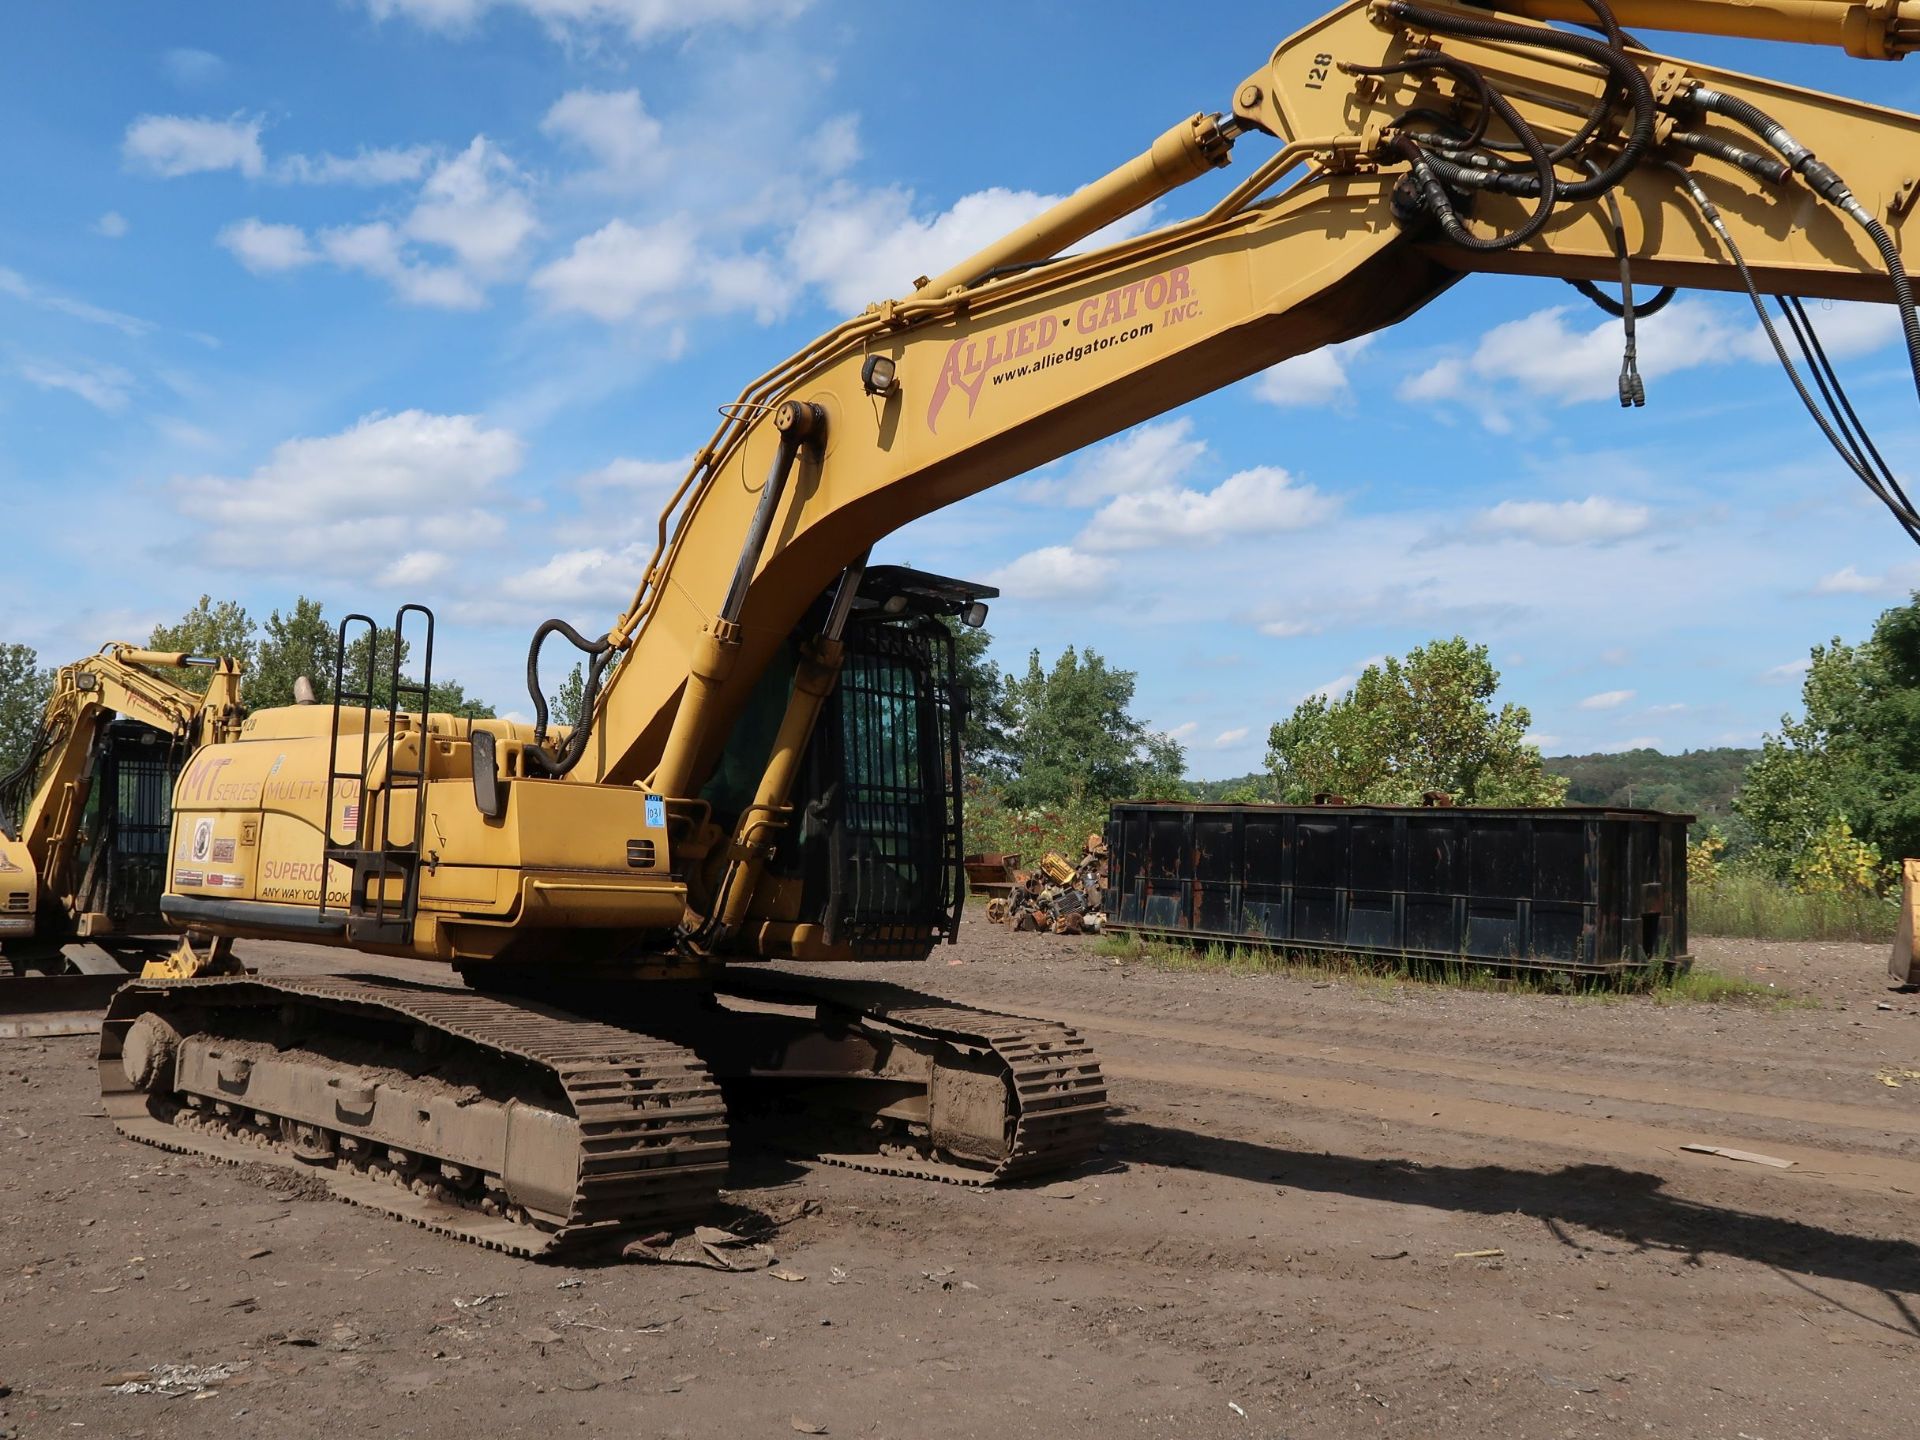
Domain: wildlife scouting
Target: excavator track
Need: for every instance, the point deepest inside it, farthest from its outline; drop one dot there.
(636, 1142)
(1056, 1093)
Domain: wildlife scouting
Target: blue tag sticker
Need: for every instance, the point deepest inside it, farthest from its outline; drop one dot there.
(656, 812)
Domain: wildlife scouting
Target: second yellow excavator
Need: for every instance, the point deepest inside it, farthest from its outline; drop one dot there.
(84, 821)
(768, 765)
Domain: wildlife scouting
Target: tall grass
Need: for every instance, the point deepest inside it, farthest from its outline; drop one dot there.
(1756, 907)
(1382, 976)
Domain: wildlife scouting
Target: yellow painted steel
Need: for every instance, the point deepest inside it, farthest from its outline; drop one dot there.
(1880, 31)
(1008, 360)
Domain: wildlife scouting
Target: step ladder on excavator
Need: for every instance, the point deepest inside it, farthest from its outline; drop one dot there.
(383, 891)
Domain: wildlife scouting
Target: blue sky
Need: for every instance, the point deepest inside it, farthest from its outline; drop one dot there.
(380, 300)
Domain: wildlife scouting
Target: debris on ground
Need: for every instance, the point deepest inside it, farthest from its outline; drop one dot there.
(707, 1246)
(1752, 1157)
(179, 1379)
(1057, 896)
(1479, 1254)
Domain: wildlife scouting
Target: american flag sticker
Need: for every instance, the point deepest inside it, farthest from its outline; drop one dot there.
(351, 819)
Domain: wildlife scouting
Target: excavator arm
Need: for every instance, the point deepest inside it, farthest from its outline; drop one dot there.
(1416, 143)
(43, 803)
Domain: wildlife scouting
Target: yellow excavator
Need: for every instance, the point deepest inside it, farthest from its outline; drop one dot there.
(83, 830)
(766, 768)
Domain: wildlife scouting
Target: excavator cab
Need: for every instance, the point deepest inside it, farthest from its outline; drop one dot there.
(879, 810)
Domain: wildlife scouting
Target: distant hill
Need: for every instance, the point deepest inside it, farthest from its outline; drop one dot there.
(1695, 782)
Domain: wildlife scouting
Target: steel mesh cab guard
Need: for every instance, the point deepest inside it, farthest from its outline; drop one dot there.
(1590, 890)
(885, 765)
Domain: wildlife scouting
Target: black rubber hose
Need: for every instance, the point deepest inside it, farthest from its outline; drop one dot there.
(1826, 183)
(1761, 167)
(1661, 299)
(1624, 71)
(595, 648)
(1433, 194)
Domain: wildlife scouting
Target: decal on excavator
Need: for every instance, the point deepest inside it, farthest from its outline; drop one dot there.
(1165, 298)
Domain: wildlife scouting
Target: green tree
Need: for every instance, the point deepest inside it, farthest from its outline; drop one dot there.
(1408, 726)
(567, 705)
(987, 741)
(1072, 734)
(223, 629)
(299, 643)
(24, 688)
(1853, 755)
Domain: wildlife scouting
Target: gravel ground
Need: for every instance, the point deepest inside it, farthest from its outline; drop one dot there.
(1276, 1242)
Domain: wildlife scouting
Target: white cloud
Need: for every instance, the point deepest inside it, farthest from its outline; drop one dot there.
(1262, 501)
(265, 249)
(474, 205)
(1594, 520)
(1607, 700)
(386, 499)
(1147, 457)
(861, 245)
(1547, 355)
(1674, 709)
(1183, 731)
(1317, 378)
(13, 283)
(384, 166)
(646, 475)
(113, 225)
(1539, 741)
(377, 249)
(614, 128)
(192, 69)
(641, 21)
(1848, 581)
(1792, 670)
(1288, 629)
(105, 387)
(1054, 572)
(1227, 739)
(594, 575)
(613, 272)
(175, 145)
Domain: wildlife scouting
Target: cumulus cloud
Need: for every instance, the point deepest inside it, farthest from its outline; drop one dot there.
(1607, 700)
(105, 387)
(613, 272)
(386, 500)
(1317, 378)
(1592, 521)
(1792, 670)
(392, 165)
(1264, 500)
(173, 145)
(266, 249)
(641, 21)
(1550, 356)
(1147, 457)
(641, 475)
(1054, 572)
(473, 207)
(1227, 739)
(613, 127)
(113, 225)
(858, 245)
(592, 575)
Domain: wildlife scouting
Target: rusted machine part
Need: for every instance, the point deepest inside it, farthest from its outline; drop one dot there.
(1000, 1097)
(605, 1132)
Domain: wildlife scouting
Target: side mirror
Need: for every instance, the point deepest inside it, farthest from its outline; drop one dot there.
(488, 798)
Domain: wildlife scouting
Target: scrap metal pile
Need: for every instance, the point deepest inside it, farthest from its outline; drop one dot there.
(1056, 896)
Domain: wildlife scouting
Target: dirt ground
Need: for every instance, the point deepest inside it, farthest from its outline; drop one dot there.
(1271, 1245)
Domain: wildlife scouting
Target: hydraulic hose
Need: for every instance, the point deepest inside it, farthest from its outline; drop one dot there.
(1433, 195)
(535, 759)
(1623, 70)
(1825, 182)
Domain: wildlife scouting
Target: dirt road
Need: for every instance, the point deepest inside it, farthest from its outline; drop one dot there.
(1272, 1245)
